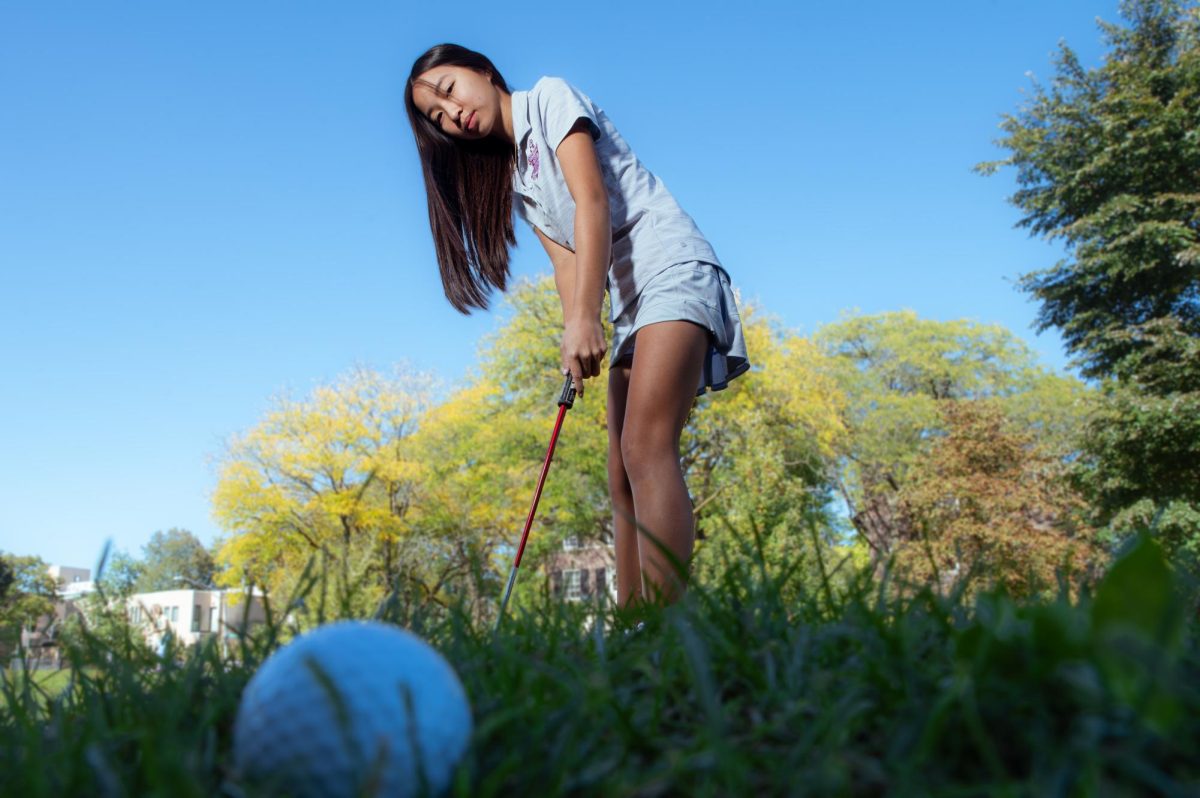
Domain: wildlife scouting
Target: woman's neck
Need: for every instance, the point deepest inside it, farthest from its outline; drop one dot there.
(506, 121)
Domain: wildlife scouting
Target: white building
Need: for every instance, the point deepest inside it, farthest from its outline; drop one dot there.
(191, 616)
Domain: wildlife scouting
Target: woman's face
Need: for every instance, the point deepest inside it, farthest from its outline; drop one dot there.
(461, 102)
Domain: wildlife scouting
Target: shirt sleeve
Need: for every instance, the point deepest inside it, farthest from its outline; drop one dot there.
(560, 105)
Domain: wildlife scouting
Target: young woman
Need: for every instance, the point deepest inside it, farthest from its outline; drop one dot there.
(606, 222)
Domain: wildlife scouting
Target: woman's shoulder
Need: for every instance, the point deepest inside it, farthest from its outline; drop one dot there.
(555, 107)
(550, 83)
(549, 88)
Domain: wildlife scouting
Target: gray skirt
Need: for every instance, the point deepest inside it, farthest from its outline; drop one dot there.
(692, 291)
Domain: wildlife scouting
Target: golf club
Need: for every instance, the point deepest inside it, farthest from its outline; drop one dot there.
(565, 401)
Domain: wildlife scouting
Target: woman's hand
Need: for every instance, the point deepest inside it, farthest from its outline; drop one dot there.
(583, 348)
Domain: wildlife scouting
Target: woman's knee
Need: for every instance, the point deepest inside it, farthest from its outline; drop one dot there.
(645, 451)
(618, 479)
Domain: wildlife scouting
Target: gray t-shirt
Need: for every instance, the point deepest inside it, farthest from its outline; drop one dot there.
(650, 231)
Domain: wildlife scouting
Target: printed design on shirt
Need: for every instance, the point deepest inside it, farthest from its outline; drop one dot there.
(531, 154)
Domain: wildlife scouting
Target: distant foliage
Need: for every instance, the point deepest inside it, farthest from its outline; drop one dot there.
(896, 372)
(987, 503)
(1108, 162)
(122, 573)
(27, 594)
(330, 479)
(757, 456)
(171, 560)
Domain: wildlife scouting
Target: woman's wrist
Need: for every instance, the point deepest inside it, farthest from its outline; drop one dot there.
(583, 315)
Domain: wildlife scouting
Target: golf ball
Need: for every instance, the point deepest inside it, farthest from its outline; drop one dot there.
(352, 708)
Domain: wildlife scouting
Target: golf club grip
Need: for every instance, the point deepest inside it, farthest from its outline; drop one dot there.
(567, 397)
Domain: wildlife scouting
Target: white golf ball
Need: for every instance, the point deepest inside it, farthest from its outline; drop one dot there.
(352, 708)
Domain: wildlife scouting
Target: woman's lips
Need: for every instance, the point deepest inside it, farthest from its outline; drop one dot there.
(470, 121)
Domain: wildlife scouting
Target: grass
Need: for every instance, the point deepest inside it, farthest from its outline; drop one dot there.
(748, 687)
(47, 682)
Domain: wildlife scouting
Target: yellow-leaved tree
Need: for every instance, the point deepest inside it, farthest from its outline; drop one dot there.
(331, 478)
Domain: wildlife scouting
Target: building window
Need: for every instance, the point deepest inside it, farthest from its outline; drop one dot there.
(196, 618)
(601, 581)
(212, 619)
(572, 587)
(572, 542)
(175, 615)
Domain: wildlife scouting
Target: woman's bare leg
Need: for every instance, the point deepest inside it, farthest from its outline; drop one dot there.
(658, 391)
(629, 567)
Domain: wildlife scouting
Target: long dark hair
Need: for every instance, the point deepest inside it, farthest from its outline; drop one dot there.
(468, 185)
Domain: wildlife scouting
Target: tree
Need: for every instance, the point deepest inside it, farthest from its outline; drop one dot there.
(987, 500)
(122, 573)
(172, 560)
(1108, 163)
(758, 456)
(896, 370)
(330, 477)
(7, 577)
(1142, 466)
(28, 595)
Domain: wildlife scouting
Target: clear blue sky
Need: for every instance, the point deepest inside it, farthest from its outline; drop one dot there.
(203, 205)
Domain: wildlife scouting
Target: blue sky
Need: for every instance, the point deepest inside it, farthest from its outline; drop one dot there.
(203, 206)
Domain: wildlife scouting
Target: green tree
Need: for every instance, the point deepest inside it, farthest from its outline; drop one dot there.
(759, 454)
(1108, 163)
(7, 577)
(896, 370)
(121, 574)
(1143, 448)
(171, 560)
(28, 595)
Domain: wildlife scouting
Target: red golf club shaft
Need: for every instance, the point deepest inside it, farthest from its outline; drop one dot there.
(565, 400)
(537, 495)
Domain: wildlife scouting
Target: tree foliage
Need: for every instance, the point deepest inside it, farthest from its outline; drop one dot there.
(987, 500)
(171, 560)
(121, 573)
(1142, 469)
(1108, 163)
(896, 370)
(28, 594)
(757, 456)
(329, 478)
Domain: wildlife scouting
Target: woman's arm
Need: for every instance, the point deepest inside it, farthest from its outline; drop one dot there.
(583, 345)
(565, 281)
(564, 270)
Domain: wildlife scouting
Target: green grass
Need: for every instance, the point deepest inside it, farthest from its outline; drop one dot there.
(47, 682)
(748, 687)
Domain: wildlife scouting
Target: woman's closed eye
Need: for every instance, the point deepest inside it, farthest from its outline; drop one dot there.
(437, 118)
(449, 89)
